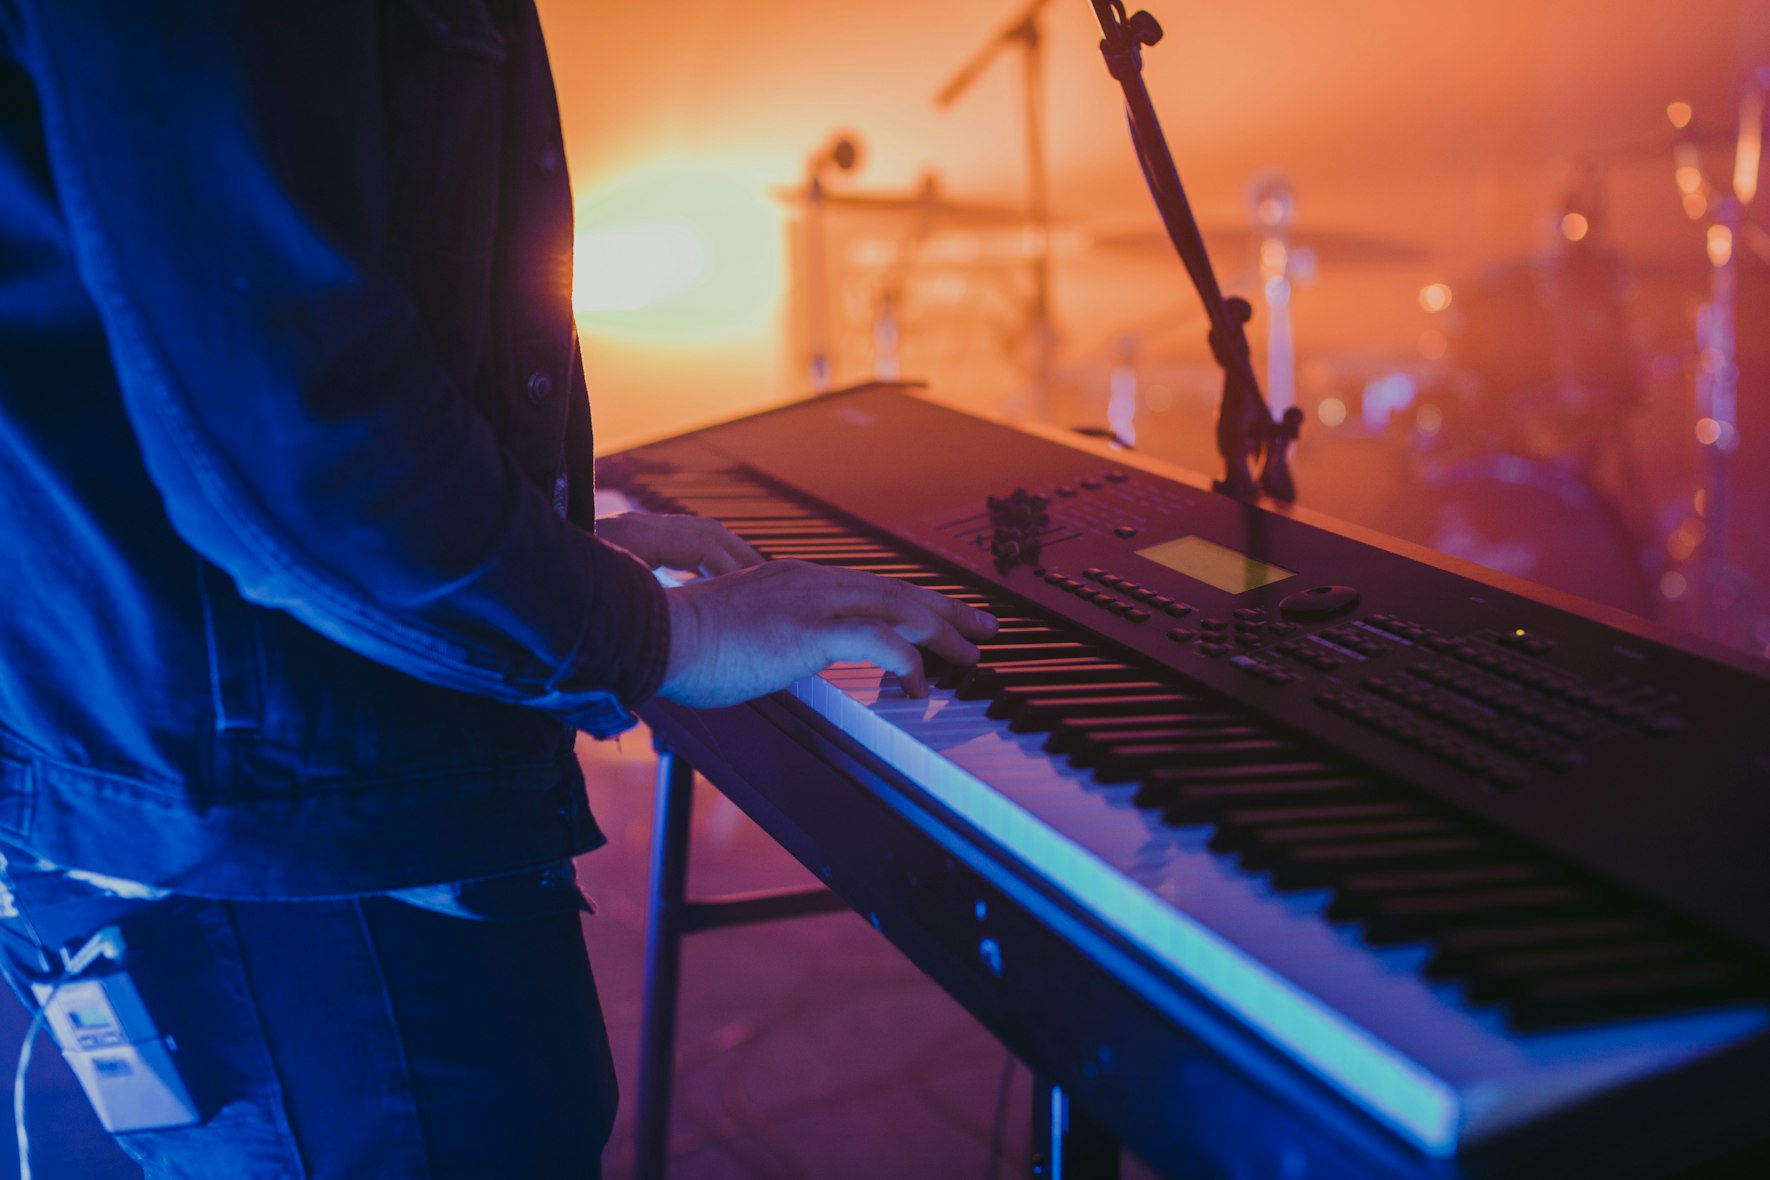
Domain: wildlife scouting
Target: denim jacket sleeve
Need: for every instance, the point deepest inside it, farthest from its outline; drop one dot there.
(222, 169)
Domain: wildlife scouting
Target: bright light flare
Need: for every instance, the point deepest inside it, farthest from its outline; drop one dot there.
(1750, 147)
(682, 251)
(1720, 244)
(1679, 113)
(634, 266)
(1435, 296)
(1574, 227)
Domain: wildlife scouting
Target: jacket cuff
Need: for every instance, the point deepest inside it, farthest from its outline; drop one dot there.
(625, 650)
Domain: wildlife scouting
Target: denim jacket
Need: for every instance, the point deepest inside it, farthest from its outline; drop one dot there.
(298, 589)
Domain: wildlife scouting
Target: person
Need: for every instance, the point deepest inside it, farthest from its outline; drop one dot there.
(305, 600)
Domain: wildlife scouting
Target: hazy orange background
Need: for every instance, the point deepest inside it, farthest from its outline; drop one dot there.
(1449, 133)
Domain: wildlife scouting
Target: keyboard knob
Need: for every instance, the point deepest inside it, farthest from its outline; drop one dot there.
(1319, 602)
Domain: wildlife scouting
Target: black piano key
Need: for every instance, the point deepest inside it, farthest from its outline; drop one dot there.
(1014, 699)
(984, 683)
(1110, 750)
(958, 675)
(1501, 977)
(1041, 714)
(1010, 632)
(1358, 894)
(949, 590)
(1126, 763)
(831, 554)
(1311, 865)
(791, 534)
(1566, 1001)
(1457, 952)
(1411, 917)
(1416, 823)
(1286, 782)
(1087, 731)
(750, 510)
(1183, 778)
(1262, 844)
(1007, 653)
(1283, 816)
(1087, 735)
(915, 577)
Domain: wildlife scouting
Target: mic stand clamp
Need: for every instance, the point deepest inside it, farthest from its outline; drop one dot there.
(1245, 427)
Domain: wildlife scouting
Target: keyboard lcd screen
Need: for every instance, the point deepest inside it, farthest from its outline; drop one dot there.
(1214, 564)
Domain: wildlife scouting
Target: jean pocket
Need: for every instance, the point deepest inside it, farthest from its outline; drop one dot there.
(188, 968)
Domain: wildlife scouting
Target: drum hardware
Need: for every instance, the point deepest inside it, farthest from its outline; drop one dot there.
(1325, 248)
(1531, 519)
(843, 153)
(1040, 325)
(901, 241)
(1727, 605)
(1274, 207)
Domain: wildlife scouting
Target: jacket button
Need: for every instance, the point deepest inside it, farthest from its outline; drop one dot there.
(549, 161)
(540, 385)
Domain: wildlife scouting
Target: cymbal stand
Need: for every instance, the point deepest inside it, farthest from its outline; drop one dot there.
(1040, 325)
(1274, 207)
(1245, 427)
(842, 153)
(888, 309)
(1724, 590)
(817, 278)
(1717, 403)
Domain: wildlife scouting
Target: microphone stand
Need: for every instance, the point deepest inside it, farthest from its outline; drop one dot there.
(1246, 431)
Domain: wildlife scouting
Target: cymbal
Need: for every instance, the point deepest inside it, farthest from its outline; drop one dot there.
(927, 203)
(1331, 247)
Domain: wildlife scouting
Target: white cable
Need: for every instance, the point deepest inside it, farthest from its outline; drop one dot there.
(18, 1085)
(107, 943)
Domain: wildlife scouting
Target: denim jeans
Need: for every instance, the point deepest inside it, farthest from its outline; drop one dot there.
(366, 1037)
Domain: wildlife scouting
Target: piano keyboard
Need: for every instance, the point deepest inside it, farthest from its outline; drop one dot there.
(1451, 980)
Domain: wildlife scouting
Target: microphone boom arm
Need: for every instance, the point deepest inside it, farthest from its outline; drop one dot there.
(1246, 430)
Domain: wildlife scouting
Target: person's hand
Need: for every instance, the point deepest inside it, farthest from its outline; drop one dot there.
(679, 542)
(738, 637)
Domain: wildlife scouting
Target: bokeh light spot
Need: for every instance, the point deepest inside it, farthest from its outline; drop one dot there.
(1720, 244)
(1435, 296)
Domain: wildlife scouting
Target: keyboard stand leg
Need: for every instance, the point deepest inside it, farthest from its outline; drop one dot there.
(663, 962)
(1067, 1144)
(670, 917)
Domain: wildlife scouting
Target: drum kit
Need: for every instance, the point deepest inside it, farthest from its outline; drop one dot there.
(1572, 428)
